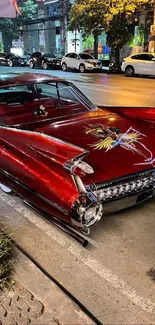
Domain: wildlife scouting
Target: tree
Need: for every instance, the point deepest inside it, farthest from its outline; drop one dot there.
(92, 16)
(88, 16)
(119, 32)
(10, 27)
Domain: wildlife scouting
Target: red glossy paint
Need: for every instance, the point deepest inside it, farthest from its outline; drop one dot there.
(32, 155)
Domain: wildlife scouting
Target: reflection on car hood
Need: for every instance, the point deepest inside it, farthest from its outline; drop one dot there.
(116, 146)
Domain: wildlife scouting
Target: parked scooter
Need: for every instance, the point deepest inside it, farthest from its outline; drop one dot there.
(114, 68)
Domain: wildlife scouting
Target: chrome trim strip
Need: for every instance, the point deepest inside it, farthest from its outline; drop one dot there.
(34, 192)
(115, 181)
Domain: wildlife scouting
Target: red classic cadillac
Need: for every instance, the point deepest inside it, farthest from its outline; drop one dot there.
(69, 160)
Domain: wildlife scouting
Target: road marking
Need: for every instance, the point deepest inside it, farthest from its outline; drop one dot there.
(146, 304)
(85, 256)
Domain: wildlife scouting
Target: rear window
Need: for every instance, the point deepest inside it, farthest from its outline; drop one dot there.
(136, 57)
(21, 99)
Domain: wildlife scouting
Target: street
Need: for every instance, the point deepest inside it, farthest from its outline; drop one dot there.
(109, 276)
(103, 89)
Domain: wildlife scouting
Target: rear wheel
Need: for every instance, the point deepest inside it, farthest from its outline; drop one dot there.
(64, 66)
(129, 71)
(82, 68)
(45, 65)
(6, 189)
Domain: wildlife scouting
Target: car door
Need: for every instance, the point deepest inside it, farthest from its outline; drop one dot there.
(71, 60)
(74, 61)
(146, 64)
(149, 64)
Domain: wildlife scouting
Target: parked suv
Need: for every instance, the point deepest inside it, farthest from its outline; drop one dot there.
(44, 60)
(11, 59)
(142, 63)
(81, 62)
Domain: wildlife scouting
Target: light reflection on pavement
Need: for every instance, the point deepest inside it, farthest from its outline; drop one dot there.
(104, 89)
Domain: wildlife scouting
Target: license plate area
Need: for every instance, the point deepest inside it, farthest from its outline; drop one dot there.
(145, 196)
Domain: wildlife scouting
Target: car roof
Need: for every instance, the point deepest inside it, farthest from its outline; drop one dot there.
(14, 79)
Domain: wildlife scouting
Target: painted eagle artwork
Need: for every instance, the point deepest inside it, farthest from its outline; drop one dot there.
(110, 137)
(9, 9)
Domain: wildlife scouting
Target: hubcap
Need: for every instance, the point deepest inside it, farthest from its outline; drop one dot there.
(129, 71)
(10, 63)
(81, 68)
(5, 188)
(31, 65)
(64, 67)
(45, 66)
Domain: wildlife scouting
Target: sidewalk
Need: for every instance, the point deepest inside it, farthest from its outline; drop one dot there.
(37, 300)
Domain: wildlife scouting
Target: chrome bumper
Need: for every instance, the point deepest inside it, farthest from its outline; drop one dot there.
(127, 202)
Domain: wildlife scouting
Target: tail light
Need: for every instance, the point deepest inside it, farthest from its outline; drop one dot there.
(78, 168)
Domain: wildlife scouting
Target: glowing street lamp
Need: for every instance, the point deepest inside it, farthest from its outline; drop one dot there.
(9, 9)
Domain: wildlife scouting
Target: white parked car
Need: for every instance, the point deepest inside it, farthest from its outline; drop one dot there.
(81, 62)
(141, 63)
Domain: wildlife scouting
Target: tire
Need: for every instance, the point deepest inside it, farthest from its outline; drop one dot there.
(64, 66)
(82, 68)
(45, 65)
(31, 65)
(6, 189)
(10, 63)
(129, 71)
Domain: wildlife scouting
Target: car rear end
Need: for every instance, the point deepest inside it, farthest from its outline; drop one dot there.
(54, 63)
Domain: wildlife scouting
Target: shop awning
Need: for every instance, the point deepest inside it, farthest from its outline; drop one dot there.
(9, 9)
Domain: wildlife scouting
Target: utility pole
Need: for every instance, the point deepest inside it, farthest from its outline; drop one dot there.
(75, 40)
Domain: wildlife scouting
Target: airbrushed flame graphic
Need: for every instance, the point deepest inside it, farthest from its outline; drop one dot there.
(14, 2)
(111, 137)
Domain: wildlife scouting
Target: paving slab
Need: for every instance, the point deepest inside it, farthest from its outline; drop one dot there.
(35, 299)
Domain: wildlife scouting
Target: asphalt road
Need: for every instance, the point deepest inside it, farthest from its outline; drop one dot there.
(103, 89)
(110, 276)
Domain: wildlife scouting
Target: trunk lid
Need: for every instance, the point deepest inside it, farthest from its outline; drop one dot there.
(117, 145)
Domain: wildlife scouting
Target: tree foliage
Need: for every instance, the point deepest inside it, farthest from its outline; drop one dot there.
(115, 17)
(119, 33)
(88, 42)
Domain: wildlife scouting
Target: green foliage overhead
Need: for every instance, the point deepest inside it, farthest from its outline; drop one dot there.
(116, 17)
(88, 15)
(139, 37)
(91, 15)
(88, 42)
(11, 26)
